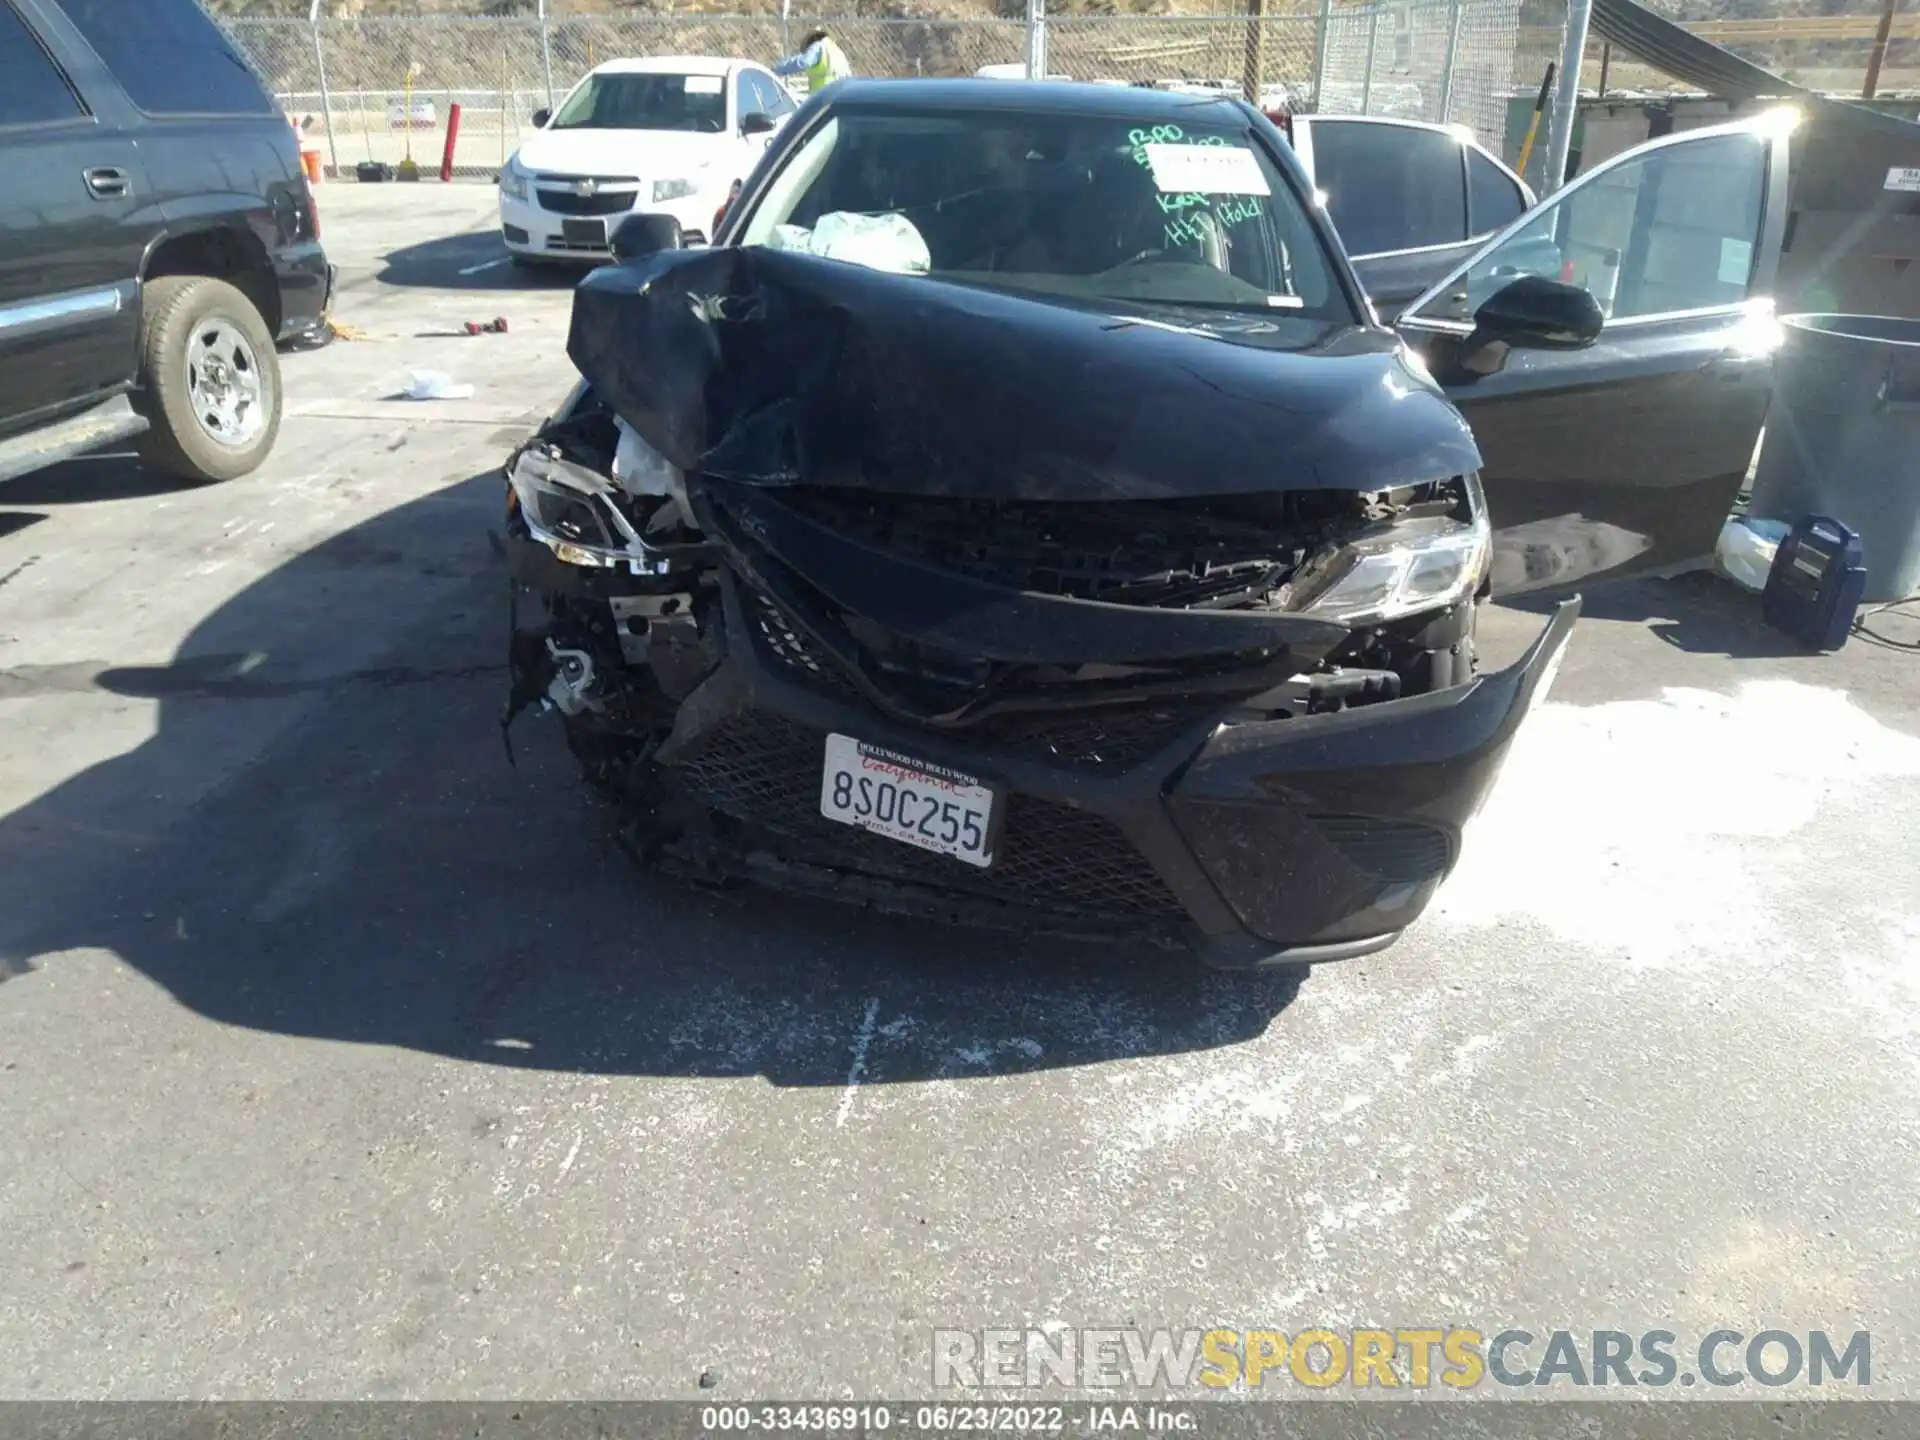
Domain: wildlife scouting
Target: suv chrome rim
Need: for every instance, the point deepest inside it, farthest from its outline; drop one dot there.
(223, 376)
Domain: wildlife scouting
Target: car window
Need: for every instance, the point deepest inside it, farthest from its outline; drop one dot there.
(1189, 218)
(779, 102)
(753, 95)
(169, 57)
(648, 101)
(32, 89)
(1672, 228)
(768, 95)
(1390, 187)
(1494, 200)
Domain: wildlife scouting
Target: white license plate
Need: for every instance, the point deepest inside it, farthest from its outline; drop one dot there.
(907, 800)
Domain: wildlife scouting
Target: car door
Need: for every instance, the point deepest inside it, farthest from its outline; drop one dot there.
(70, 236)
(1624, 453)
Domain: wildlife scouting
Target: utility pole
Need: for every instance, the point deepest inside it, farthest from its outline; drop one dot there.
(326, 96)
(1250, 76)
(1879, 55)
(1036, 39)
(546, 51)
(1566, 104)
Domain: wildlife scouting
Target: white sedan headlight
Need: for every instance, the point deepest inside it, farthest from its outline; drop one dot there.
(1405, 568)
(514, 182)
(665, 190)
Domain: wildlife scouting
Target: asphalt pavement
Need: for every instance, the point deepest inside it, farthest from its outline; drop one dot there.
(341, 1058)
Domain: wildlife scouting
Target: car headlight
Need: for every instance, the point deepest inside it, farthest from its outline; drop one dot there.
(1405, 568)
(664, 190)
(513, 182)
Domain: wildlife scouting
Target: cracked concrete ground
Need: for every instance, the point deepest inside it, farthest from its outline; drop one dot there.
(340, 1059)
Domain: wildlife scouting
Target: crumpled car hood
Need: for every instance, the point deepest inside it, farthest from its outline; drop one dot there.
(775, 368)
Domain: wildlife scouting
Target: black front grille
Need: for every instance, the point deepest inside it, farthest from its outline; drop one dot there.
(765, 769)
(789, 650)
(1111, 739)
(1400, 852)
(1108, 739)
(568, 202)
(1175, 554)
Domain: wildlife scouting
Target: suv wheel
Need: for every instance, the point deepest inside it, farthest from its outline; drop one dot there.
(212, 380)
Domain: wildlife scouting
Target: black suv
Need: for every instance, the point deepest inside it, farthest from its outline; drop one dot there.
(158, 239)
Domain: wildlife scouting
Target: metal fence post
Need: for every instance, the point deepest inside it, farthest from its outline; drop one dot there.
(546, 52)
(1321, 45)
(1036, 39)
(1566, 104)
(326, 97)
(1454, 9)
(1252, 72)
(1373, 39)
(1881, 35)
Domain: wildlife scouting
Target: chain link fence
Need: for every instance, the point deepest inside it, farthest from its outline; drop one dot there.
(384, 90)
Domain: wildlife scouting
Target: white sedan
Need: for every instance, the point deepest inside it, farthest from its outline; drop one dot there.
(666, 135)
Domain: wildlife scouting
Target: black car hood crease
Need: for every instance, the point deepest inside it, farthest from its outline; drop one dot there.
(772, 368)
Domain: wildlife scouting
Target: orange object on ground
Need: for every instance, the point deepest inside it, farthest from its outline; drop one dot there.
(315, 163)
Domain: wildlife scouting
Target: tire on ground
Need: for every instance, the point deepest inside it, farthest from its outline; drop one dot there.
(174, 307)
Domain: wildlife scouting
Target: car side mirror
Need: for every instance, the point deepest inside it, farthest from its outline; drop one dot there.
(639, 236)
(1536, 313)
(540, 118)
(757, 122)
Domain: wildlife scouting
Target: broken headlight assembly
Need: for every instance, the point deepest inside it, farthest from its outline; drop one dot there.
(572, 511)
(1404, 566)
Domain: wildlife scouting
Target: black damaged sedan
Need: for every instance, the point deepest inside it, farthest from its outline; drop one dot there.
(1020, 519)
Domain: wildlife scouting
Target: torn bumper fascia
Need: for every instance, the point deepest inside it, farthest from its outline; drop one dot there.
(1326, 831)
(953, 612)
(1281, 842)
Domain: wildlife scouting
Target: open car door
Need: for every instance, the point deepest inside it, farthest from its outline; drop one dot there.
(1612, 350)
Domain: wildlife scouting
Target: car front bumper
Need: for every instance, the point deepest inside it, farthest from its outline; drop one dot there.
(1280, 842)
(529, 229)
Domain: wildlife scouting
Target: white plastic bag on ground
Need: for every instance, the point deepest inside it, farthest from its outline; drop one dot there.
(880, 242)
(1746, 550)
(434, 385)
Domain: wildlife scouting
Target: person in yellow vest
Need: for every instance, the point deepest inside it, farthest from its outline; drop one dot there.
(819, 59)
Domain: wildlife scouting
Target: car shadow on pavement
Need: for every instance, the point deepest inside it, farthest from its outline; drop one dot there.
(473, 261)
(12, 522)
(87, 479)
(1698, 612)
(369, 868)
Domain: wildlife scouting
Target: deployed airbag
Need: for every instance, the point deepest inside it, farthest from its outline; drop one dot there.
(882, 242)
